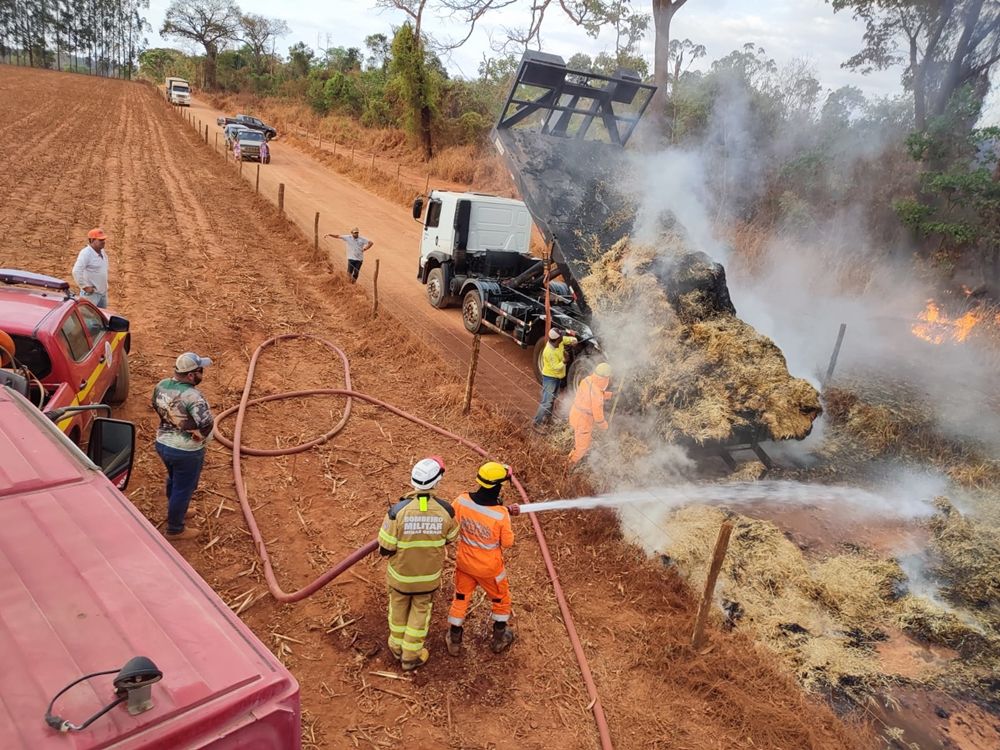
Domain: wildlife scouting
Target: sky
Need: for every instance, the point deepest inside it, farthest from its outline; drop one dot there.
(786, 29)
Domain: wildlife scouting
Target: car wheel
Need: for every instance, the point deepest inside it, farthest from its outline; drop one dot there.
(437, 294)
(472, 312)
(118, 391)
(581, 367)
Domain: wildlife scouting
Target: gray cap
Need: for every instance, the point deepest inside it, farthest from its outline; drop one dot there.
(189, 362)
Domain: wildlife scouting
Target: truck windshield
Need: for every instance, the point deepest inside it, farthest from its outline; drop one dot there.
(181, 89)
(251, 135)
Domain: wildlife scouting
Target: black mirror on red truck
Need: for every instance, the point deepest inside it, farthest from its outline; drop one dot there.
(112, 448)
(117, 324)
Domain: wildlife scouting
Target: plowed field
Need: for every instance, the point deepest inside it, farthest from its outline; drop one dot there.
(198, 262)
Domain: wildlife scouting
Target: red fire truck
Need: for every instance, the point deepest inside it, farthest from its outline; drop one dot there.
(109, 638)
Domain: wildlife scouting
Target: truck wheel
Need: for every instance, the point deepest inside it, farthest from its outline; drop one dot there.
(472, 312)
(581, 367)
(437, 293)
(537, 357)
(118, 391)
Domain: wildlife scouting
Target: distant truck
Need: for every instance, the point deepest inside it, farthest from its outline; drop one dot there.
(248, 122)
(475, 252)
(70, 356)
(178, 91)
(90, 586)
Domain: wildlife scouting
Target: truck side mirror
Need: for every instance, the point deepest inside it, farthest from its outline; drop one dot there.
(418, 207)
(117, 324)
(112, 448)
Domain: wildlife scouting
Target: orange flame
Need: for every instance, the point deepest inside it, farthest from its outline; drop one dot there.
(935, 327)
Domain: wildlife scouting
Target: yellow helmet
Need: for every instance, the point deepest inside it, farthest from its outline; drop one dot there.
(491, 474)
(603, 370)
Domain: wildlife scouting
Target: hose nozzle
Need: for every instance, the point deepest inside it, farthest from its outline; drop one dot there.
(514, 509)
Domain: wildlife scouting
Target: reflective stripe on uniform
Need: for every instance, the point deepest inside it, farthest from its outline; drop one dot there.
(456, 621)
(500, 577)
(385, 536)
(420, 543)
(415, 633)
(453, 533)
(500, 618)
(468, 503)
(413, 579)
(413, 646)
(473, 543)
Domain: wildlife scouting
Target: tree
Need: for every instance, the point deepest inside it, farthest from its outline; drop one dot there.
(680, 51)
(211, 23)
(663, 14)
(415, 85)
(259, 34)
(300, 59)
(944, 45)
(379, 51)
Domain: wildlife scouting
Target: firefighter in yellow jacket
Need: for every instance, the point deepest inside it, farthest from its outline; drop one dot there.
(484, 532)
(413, 537)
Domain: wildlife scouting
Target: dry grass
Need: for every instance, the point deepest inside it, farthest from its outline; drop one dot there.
(706, 375)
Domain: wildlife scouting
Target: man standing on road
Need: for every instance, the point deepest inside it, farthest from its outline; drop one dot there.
(91, 269)
(356, 247)
(185, 426)
(553, 373)
(413, 536)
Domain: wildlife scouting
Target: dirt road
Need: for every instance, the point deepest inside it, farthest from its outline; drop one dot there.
(504, 374)
(199, 263)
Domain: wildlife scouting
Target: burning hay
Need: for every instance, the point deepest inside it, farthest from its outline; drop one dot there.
(824, 616)
(701, 373)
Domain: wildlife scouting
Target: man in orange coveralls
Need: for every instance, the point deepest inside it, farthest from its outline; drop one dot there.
(588, 410)
(484, 532)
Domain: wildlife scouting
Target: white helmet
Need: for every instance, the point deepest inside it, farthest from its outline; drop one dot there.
(427, 472)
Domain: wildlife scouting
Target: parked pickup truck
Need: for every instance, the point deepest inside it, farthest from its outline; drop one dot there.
(90, 586)
(70, 357)
(251, 145)
(248, 122)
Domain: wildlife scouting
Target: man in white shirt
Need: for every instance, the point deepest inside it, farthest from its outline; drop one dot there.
(91, 269)
(356, 247)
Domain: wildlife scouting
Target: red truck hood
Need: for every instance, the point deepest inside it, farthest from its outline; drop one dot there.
(87, 583)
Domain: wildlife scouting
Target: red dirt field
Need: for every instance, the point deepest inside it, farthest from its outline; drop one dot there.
(198, 262)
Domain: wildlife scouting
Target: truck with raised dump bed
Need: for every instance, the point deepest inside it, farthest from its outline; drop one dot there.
(557, 127)
(110, 639)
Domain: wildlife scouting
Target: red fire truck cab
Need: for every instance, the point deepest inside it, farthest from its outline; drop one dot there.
(87, 584)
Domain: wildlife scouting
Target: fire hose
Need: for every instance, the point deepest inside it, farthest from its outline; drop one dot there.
(349, 393)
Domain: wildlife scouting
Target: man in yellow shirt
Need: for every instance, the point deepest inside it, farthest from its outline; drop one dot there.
(553, 372)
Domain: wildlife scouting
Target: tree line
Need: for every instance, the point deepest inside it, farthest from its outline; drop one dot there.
(101, 37)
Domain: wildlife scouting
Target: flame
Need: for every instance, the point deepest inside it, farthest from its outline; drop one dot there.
(936, 327)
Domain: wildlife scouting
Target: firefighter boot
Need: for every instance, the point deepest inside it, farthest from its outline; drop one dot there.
(502, 637)
(422, 656)
(453, 639)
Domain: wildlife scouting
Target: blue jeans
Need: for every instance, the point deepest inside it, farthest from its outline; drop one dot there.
(96, 298)
(353, 269)
(550, 387)
(183, 473)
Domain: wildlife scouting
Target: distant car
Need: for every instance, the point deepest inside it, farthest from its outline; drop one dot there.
(251, 145)
(230, 131)
(249, 122)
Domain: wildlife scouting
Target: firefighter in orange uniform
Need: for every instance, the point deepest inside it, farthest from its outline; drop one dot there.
(588, 410)
(484, 532)
(413, 536)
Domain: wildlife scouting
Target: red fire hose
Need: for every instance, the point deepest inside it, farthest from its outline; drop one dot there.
(272, 582)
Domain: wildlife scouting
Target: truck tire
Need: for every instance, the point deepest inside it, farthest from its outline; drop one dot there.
(472, 312)
(536, 358)
(437, 292)
(118, 391)
(581, 367)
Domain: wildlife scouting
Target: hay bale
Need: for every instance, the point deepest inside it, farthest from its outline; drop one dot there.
(701, 373)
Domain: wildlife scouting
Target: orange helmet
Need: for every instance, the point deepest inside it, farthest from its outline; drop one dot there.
(7, 344)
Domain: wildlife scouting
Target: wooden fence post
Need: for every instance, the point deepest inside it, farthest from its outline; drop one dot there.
(471, 379)
(256, 184)
(281, 198)
(371, 169)
(216, 141)
(721, 545)
(241, 166)
(206, 132)
(374, 291)
(398, 167)
(352, 154)
(334, 148)
(316, 237)
(427, 183)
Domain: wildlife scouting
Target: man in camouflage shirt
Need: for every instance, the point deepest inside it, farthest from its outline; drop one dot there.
(185, 426)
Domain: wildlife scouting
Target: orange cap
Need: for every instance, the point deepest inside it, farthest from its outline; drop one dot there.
(96, 234)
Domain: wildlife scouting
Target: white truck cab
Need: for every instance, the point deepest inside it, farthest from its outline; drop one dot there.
(473, 222)
(178, 91)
